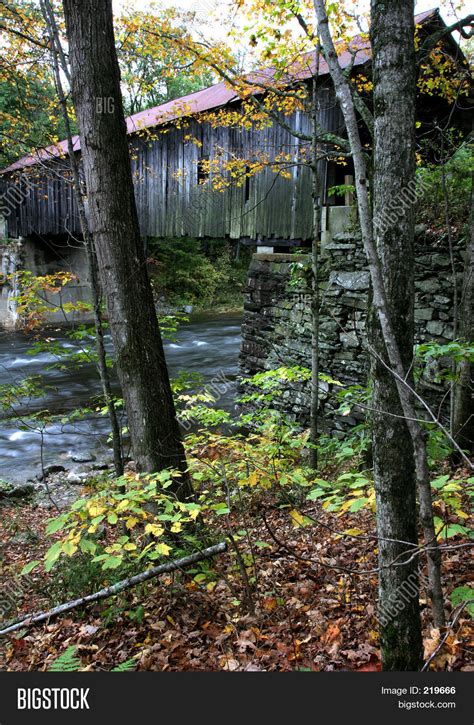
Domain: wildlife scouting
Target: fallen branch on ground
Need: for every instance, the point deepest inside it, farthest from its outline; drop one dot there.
(118, 587)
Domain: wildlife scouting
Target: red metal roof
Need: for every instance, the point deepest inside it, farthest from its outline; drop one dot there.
(213, 97)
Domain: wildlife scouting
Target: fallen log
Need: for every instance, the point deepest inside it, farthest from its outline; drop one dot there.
(118, 587)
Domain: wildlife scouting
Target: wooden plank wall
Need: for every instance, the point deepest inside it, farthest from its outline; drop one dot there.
(171, 202)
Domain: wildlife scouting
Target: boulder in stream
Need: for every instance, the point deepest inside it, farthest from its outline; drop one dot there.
(76, 479)
(47, 470)
(82, 457)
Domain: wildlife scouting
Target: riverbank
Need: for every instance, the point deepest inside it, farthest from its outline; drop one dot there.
(204, 273)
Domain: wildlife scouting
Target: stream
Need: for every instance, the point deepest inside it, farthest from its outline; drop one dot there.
(208, 344)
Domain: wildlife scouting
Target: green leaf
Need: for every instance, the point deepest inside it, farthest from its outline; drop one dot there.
(112, 562)
(315, 494)
(346, 476)
(29, 567)
(440, 481)
(52, 555)
(56, 524)
(454, 530)
(357, 505)
(69, 548)
(220, 509)
(78, 504)
(87, 546)
(125, 666)
(66, 662)
(463, 594)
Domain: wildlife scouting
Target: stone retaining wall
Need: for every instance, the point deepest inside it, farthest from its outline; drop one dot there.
(276, 329)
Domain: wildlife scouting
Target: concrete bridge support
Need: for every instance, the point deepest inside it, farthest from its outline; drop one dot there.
(41, 257)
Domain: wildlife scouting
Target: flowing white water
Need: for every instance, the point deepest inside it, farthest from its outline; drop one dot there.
(208, 345)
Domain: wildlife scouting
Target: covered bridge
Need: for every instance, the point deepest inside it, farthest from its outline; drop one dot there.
(171, 147)
(169, 158)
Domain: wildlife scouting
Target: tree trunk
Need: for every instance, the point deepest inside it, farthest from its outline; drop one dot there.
(392, 31)
(316, 199)
(463, 415)
(113, 221)
(344, 94)
(58, 61)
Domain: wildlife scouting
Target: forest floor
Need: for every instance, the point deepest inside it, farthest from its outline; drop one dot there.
(310, 611)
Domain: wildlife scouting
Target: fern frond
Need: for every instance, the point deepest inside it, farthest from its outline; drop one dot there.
(66, 662)
(125, 666)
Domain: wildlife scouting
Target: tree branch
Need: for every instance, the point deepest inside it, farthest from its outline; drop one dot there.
(118, 587)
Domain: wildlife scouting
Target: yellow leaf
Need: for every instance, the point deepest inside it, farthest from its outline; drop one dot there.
(131, 522)
(163, 549)
(154, 529)
(96, 510)
(69, 548)
(297, 519)
(253, 479)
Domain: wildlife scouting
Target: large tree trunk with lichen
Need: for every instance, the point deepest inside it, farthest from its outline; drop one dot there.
(113, 220)
(463, 418)
(316, 199)
(402, 648)
(58, 61)
(393, 51)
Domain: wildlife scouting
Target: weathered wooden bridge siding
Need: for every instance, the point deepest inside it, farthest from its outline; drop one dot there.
(47, 206)
(171, 202)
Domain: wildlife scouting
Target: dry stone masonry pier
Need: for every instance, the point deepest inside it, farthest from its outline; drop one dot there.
(276, 329)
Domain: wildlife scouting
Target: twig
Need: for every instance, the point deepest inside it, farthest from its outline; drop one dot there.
(446, 635)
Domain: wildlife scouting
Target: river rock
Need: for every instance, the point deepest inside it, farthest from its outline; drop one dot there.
(428, 286)
(82, 457)
(100, 466)
(440, 260)
(423, 313)
(47, 470)
(435, 328)
(420, 230)
(75, 479)
(10, 490)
